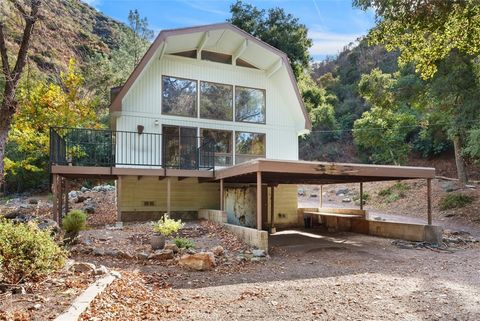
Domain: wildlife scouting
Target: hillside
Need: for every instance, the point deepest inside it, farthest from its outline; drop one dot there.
(69, 29)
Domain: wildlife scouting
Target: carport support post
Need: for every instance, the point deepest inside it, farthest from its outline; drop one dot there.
(272, 209)
(222, 205)
(259, 201)
(361, 195)
(169, 195)
(429, 200)
(321, 196)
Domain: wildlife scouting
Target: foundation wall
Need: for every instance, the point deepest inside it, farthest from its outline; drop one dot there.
(145, 198)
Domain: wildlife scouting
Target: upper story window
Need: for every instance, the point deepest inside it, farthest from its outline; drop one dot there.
(249, 146)
(216, 101)
(179, 96)
(250, 105)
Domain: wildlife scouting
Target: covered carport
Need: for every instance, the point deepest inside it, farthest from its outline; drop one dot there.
(271, 173)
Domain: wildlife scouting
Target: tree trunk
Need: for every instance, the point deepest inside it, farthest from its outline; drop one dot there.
(3, 144)
(460, 161)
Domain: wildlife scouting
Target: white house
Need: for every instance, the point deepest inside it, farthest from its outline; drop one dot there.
(209, 119)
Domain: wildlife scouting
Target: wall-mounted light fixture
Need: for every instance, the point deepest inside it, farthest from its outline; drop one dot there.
(157, 122)
(140, 129)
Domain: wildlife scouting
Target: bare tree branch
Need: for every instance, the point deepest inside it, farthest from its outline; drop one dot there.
(3, 53)
(27, 33)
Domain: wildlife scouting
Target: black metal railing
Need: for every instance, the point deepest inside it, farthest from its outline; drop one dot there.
(107, 148)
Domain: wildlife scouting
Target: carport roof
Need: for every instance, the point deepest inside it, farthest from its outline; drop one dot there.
(303, 172)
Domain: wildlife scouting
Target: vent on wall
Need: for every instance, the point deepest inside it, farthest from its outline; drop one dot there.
(148, 203)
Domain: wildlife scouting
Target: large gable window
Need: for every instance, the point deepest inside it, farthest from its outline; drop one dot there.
(249, 105)
(216, 101)
(223, 145)
(179, 96)
(249, 146)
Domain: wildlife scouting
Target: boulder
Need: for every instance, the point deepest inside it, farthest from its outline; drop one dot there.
(171, 246)
(161, 255)
(83, 267)
(73, 195)
(142, 256)
(217, 250)
(33, 201)
(103, 188)
(80, 199)
(89, 207)
(259, 253)
(101, 270)
(341, 190)
(346, 200)
(84, 189)
(42, 223)
(199, 261)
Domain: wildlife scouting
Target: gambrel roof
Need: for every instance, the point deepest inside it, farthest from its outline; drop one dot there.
(223, 38)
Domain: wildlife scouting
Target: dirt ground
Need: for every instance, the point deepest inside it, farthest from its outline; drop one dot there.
(311, 275)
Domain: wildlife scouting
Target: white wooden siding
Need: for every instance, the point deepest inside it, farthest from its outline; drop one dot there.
(142, 104)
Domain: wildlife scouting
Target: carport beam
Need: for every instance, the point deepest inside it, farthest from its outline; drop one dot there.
(429, 201)
(259, 201)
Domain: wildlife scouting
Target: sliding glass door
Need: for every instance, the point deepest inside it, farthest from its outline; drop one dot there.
(180, 147)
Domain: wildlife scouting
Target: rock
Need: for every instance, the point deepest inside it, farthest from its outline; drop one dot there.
(37, 306)
(42, 223)
(72, 195)
(84, 189)
(102, 270)
(161, 255)
(19, 290)
(142, 256)
(341, 190)
(198, 261)
(217, 250)
(171, 246)
(259, 253)
(80, 199)
(191, 251)
(98, 252)
(346, 200)
(89, 207)
(83, 267)
(103, 188)
(33, 201)
(448, 186)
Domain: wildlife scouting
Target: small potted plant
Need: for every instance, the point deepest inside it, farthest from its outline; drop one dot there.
(162, 228)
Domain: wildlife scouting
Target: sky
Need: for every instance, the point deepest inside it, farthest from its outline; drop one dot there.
(332, 24)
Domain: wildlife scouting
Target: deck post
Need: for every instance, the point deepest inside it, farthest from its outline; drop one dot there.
(169, 194)
(54, 197)
(429, 201)
(222, 204)
(66, 196)
(361, 195)
(60, 200)
(272, 209)
(259, 201)
(321, 196)
(118, 197)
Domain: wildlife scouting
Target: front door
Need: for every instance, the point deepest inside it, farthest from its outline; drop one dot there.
(180, 147)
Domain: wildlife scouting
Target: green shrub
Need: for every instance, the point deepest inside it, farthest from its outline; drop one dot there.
(457, 200)
(167, 226)
(27, 253)
(74, 221)
(184, 243)
(394, 192)
(366, 197)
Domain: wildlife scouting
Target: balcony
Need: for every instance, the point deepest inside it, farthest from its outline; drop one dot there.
(92, 148)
